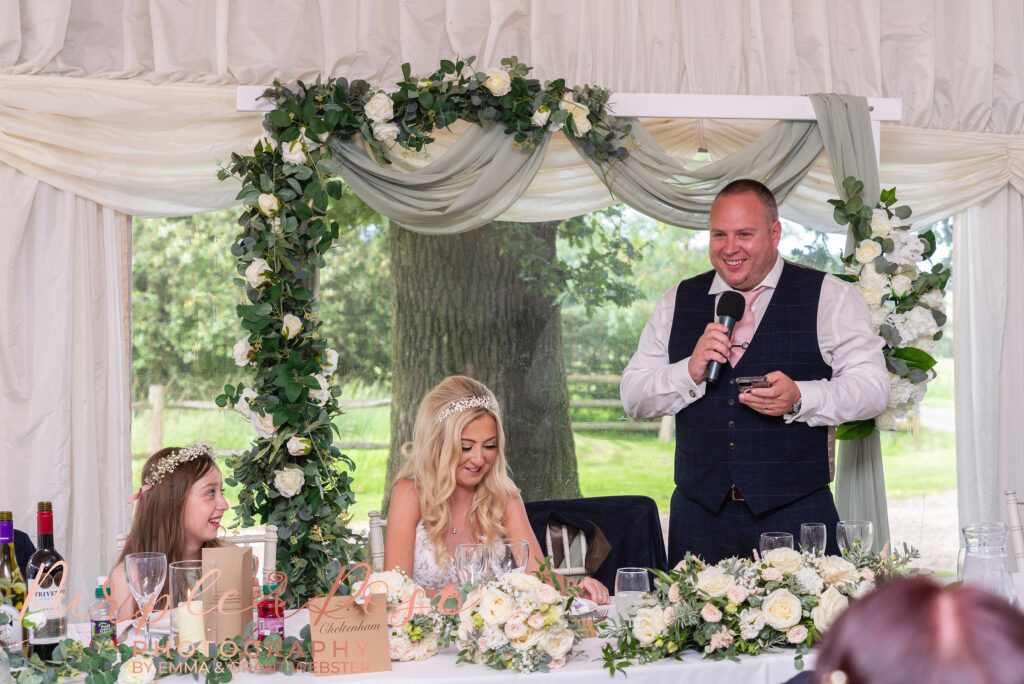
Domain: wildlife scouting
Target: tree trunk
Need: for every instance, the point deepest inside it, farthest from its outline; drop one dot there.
(458, 306)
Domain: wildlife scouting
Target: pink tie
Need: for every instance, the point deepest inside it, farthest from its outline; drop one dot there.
(744, 330)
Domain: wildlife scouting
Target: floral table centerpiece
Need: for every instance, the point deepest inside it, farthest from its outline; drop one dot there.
(416, 627)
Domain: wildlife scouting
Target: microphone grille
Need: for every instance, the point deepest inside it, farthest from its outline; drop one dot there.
(731, 304)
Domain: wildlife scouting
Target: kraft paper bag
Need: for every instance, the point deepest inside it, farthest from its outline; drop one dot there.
(233, 593)
(348, 638)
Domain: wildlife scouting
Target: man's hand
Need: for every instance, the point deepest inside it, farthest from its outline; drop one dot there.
(713, 345)
(775, 400)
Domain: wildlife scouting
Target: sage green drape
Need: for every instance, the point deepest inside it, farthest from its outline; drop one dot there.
(483, 174)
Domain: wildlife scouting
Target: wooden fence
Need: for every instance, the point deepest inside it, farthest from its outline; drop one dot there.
(158, 404)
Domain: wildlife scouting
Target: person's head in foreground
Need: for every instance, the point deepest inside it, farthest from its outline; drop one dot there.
(913, 630)
(744, 233)
(458, 442)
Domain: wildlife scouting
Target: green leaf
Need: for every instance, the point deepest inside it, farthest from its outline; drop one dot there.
(889, 334)
(929, 237)
(840, 216)
(896, 366)
(916, 375)
(902, 212)
(854, 205)
(856, 430)
(940, 318)
(447, 66)
(279, 118)
(915, 358)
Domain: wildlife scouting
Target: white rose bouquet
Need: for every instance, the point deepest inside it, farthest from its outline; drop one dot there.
(516, 622)
(904, 298)
(416, 628)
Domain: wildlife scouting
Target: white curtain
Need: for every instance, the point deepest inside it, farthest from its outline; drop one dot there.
(64, 407)
(989, 319)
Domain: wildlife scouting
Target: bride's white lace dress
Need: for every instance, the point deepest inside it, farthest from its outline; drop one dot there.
(425, 571)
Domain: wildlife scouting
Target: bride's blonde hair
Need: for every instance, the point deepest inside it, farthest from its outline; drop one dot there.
(434, 456)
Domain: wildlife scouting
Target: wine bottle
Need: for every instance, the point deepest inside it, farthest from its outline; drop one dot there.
(12, 585)
(45, 571)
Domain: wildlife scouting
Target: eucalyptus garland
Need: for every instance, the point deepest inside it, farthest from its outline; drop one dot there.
(293, 476)
(904, 297)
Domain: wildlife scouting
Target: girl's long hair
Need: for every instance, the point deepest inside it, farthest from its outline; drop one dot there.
(434, 456)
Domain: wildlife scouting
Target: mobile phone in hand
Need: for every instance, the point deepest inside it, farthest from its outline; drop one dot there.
(749, 382)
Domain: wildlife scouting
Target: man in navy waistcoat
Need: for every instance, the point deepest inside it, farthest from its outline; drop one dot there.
(757, 461)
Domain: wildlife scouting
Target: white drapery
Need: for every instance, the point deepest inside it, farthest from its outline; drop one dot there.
(64, 402)
(162, 96)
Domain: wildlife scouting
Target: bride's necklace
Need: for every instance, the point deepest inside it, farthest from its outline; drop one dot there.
(455, 529)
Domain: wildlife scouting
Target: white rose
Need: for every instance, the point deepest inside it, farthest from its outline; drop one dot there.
(781, 609)
(714, 581)
(242, 405)
(558, 642)
(870, 277)
(901, 285)
(255, 273)
(880, 225)
(796, 635)
(269, 204)
(289, 481)
(786, 560)
(322, 395)
(836, 569)
(522, 581)
(137, 670)
(264, 425)
(241, 352)
(648, 625)
(933, 299)
(498, 81)
(293, 153)
(379, 107)
(291, 326)
(332, 362)
(832, 603)
(299, 446)
(541, 116)
(871, 295)
(578, 112)
(868, 251)
(495, 606)
(426, 647)
(771, 574)
(385, 132)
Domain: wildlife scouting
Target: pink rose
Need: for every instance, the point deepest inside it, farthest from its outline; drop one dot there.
(736, 594)
(710, 614)
(771, 574)
(557, 662)
(673, 593)
(397, 618)
(867, 574)
(670, 616)
(401, 649)
(515, 629)
(547, 594)
(536, 620)
(518, 615)
(797, 634)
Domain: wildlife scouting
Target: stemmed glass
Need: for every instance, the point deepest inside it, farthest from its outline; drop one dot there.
(509, 555)
(775, 540)
(630, 586)
(812, 538)
(472, 562)
(145, 573)
(854, 536)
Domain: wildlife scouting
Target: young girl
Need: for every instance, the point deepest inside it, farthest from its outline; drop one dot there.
(455, 488)
(177, 512)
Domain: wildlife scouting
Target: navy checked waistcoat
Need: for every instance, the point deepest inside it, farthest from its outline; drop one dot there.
(721, 442)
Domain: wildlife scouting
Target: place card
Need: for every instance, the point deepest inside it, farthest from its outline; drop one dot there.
(349, 638)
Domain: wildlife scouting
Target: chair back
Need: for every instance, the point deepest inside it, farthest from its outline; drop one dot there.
(1016, 531)
(377, 525)
(263, 543)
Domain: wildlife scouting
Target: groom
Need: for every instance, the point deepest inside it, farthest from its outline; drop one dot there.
(757, 461)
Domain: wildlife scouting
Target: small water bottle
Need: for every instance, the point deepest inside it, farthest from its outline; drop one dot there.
(100, 616)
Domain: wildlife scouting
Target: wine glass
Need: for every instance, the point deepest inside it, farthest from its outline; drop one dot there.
(472, 562)
(775, 540)
(509, 555)
(812, 538)
(630, 586)
(145, 573)
(854, 536)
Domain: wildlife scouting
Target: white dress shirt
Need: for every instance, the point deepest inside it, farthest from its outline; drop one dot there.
(858, 390)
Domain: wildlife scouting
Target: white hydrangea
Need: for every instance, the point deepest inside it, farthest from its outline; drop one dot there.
(908, 248)
(751, 623)
(933, 299)
(809, 581)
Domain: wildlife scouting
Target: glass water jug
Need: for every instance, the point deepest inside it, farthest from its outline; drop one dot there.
(986, 563)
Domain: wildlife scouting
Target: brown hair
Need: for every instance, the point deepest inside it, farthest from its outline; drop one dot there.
(913, 630)
(156, 525)
(748, 185)
(434, 457)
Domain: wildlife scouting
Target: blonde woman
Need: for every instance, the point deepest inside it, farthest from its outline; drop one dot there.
(455, 488)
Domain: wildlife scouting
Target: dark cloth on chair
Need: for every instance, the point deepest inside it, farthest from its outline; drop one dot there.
(23, 550)
(630, 524)
(735, 531)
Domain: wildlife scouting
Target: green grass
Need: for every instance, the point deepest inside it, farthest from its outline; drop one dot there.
(940, 390)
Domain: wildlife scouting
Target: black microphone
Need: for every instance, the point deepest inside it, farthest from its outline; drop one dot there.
(731, 306)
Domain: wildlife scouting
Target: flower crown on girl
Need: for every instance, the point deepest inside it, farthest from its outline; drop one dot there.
(166, 465)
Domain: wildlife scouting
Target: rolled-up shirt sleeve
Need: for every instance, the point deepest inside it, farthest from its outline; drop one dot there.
(651, 385)
(859, 387)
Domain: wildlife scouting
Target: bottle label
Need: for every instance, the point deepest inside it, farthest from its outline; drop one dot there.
(270, 625)
(101, 628)
(45, 601)
(6, 532)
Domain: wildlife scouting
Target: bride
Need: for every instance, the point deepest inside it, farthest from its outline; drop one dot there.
(455, 489)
